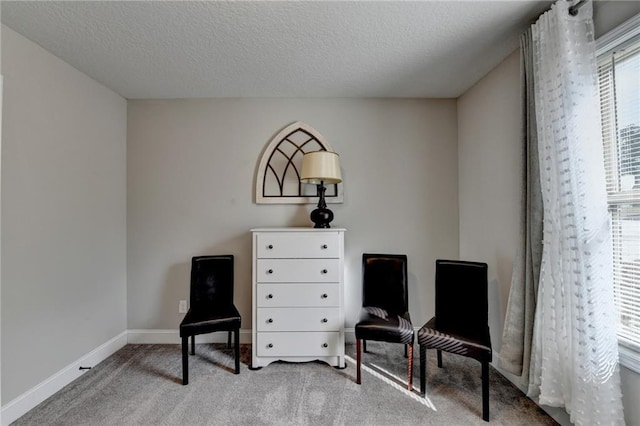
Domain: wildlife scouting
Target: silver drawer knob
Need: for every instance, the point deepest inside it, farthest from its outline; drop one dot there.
(324, 320)
(270, 271)
(324, 271)
(325, 345)
(270, 320)
(270, 296)
(270, 246)
(324, 246)
(270, 345)
(324, 296)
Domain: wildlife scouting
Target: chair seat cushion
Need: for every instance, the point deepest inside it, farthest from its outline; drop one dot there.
(202, 322)
(432, 338)
(379, 325)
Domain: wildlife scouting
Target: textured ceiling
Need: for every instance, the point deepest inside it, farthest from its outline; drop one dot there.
(185, 49)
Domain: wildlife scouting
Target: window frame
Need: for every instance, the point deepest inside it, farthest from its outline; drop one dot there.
(627, 32)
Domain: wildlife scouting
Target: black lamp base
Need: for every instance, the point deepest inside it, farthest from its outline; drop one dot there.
(322, 217)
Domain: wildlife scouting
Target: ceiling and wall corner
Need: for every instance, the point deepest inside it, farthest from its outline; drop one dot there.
(371, 73)
(140, 52)
(156, 50)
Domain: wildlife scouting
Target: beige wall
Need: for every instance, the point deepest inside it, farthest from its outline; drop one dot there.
(63, 215)
(489, 163)
(191, 168)
(631, 393)
(609, 14)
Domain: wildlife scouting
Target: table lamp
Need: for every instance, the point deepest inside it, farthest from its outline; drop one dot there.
(318, 168)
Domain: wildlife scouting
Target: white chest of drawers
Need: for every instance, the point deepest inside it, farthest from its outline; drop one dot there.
(298, 279)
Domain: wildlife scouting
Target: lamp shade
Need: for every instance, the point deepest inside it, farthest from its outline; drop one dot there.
(320, 166)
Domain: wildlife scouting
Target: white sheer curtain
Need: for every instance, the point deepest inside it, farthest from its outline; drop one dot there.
(575, 349)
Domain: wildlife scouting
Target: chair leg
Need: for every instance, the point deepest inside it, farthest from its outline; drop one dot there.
(364, 346)
(405, 351)
(229, 340)
(409, 366)
(358, 359)
(439, 358)
(185, 360)
(237, 348)
(193, 344)
(485, 391)
(423, 370)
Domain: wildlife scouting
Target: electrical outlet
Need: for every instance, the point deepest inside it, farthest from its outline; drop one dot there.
(182, 307)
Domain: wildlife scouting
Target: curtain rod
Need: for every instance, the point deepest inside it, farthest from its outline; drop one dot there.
(573, 10)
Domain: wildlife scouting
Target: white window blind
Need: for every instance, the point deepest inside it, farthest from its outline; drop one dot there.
(619, 79)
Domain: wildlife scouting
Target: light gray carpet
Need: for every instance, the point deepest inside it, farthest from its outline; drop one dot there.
(141, 385)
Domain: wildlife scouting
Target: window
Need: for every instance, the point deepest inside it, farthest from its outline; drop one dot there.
(619, 80)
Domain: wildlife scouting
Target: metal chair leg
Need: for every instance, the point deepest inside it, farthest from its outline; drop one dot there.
(439, 358)
(229, 340)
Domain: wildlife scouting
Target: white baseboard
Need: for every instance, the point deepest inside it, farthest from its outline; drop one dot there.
(19, 406)
(349, 335)
(171, 337)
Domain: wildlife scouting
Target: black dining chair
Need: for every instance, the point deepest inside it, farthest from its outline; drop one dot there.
(461, 324)
(212, 308)
(385, 307)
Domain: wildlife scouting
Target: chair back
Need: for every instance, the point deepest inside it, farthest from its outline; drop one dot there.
(211, 282)
(384, 282)
(461, 298)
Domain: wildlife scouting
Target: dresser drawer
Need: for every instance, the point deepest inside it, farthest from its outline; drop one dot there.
(298, 245)
(297, 270)
(298, 319)
(298, 344)
(294, 295)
